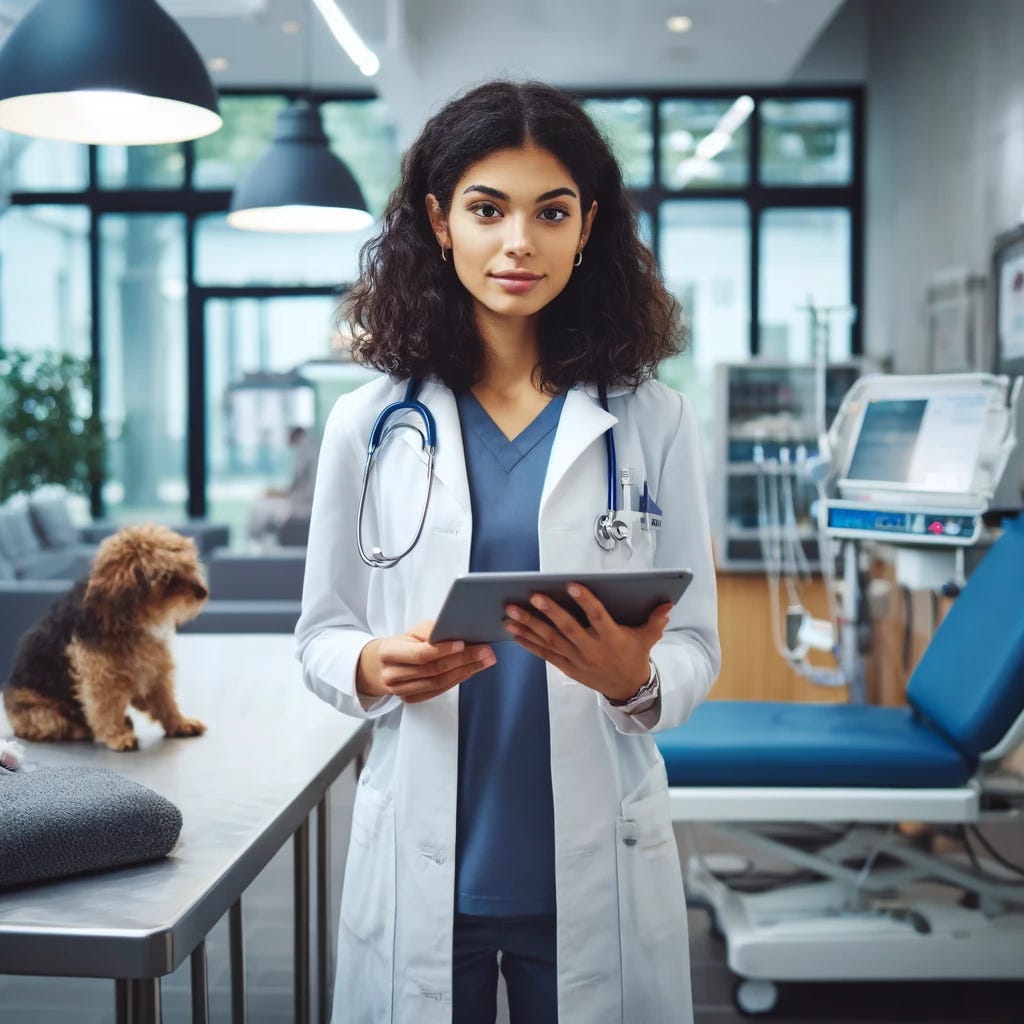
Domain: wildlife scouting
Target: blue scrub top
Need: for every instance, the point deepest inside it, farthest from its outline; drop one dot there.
(505, 834)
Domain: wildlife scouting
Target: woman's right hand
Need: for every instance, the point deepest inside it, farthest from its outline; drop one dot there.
(412, 668)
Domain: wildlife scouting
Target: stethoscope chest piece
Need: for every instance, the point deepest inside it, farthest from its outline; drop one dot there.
(609, 529)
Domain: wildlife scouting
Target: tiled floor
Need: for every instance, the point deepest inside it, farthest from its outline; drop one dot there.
(268, 946)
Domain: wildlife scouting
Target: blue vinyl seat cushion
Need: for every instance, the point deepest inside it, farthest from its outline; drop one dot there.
(764, 743)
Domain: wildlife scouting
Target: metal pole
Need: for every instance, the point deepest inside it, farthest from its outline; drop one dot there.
(144, 1001)
(301, 846)
(200, 987)
(121, 1001)
(323, 908)
(237, 957)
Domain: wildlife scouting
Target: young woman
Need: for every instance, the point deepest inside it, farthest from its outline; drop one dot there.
(514, 800)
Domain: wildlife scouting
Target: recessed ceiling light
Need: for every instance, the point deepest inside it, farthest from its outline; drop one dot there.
(218, 63)
(290, 28)
(679, 23)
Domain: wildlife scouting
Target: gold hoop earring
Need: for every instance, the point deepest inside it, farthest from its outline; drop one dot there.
(444, 254)
(579, 258)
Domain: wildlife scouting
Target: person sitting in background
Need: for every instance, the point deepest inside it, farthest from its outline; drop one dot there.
(294, 501)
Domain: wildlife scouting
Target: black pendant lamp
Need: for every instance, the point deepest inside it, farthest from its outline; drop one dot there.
(117, 72)
(299, 185)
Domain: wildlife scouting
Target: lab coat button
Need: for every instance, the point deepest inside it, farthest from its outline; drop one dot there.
(629, 840)
(439, 857)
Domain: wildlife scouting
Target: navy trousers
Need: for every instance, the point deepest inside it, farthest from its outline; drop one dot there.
(527, 947)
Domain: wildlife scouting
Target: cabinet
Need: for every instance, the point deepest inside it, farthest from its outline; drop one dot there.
(771, 405)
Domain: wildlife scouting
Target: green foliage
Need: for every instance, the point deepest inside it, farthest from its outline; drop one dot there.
(48, 432)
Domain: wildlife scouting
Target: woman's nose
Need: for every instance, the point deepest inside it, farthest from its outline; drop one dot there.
(518, 240)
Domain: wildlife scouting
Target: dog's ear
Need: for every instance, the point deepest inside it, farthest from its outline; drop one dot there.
(115, 592)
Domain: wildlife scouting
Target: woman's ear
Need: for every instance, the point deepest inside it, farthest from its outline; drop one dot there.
(588, 223)
(438, 221)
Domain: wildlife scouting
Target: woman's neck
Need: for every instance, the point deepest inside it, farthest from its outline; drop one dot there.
(511, 354)
(509, 384)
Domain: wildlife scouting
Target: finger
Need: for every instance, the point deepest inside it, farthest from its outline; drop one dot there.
(402, 651)
(560, 661)
(564, 622)
(546, 631)
(597, 615)
(420, 690)
(399, 672)
(657, 621)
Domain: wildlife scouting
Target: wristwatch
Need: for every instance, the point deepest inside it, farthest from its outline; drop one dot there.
(644, 698)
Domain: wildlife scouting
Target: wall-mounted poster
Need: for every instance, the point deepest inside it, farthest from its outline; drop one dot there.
(1008, 273)
(955, 301)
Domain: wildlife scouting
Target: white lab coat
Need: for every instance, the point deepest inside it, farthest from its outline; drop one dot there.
(622, 937)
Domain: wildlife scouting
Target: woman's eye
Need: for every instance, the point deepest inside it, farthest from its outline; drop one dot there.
(486, 211)
(554, 214)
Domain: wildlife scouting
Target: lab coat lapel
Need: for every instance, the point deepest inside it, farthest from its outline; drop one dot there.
(582, 421)
(449, 462)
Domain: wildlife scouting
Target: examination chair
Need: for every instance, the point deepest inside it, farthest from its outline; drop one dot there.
(822, 788)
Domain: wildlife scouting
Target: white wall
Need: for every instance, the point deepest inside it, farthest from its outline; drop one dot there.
(945, 139)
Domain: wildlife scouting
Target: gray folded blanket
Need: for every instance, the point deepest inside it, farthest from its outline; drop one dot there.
(62, 821)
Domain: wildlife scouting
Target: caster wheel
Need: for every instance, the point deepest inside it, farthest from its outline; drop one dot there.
(754, 997)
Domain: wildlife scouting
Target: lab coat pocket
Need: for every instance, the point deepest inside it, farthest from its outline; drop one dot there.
(651, 904)
(368, 896)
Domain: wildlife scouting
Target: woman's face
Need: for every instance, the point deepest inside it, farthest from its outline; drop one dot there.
(514, 228)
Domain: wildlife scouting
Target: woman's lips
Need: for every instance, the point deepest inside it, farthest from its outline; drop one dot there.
(516, 283)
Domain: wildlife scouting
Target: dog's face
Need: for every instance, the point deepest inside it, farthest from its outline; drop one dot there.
(146, 576)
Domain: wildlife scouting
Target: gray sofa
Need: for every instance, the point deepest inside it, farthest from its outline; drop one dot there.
(38, 541)
(272, 575)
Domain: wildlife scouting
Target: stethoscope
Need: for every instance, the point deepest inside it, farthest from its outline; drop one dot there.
(610, 527)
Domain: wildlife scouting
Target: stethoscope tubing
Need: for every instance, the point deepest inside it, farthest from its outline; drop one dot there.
(377, 559)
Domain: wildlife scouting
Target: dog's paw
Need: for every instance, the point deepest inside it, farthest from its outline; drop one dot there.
(123, 741)
(188, 727)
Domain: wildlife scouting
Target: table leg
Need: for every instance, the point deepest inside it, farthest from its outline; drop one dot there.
(121, 1001)
(323, 908)
(200, 987)
(144, 1001)
(301, 845)
(237, 957)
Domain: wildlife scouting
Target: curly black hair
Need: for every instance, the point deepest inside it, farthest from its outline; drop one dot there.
(411, 317)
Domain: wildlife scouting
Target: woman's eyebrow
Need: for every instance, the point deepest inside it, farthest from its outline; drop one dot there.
(496, 194)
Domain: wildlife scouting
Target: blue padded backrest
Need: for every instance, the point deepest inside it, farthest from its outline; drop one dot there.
(970, 682)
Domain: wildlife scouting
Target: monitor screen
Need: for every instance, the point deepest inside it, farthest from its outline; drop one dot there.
(923, 443)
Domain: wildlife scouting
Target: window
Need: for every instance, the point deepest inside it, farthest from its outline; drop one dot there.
(142, 364)
(44, 299)
(805, 258)
(42, 165)
(705, 261)
(227, 256)
(807, 142)
(626, 124)
(140, 166)
(704, 143)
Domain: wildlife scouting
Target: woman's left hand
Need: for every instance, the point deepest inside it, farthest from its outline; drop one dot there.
(614, 660)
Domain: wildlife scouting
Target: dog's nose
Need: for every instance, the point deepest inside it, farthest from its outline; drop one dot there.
(200, 591)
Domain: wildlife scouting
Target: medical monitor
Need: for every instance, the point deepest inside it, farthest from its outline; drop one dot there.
(918, 444)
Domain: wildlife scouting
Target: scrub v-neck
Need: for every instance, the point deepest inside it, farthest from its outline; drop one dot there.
(509, 453)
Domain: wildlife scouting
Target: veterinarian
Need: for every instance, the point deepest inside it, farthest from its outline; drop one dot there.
(514, 800)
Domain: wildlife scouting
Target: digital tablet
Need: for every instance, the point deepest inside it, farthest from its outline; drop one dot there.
(474, 609)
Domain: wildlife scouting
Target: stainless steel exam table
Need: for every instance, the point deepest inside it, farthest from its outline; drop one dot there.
(271, 751)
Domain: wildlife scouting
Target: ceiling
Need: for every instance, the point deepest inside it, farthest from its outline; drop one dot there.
(429, 49)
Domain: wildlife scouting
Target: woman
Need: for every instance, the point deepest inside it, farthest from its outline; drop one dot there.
(514, 800)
